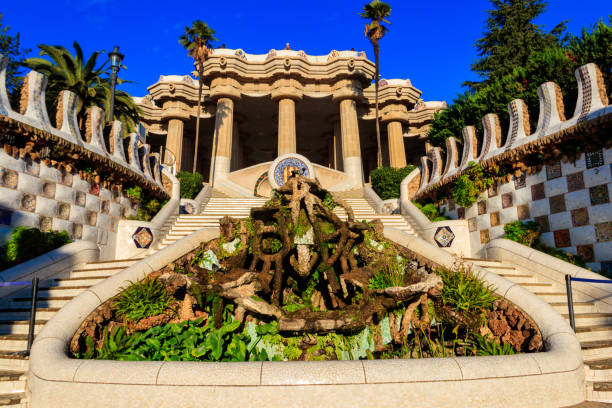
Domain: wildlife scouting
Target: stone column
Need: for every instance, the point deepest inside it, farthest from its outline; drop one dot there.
(174, 141)
(397, 153)
(351, 147)
(337, 145)
(236, 161)
(222, 143)
(287, 142)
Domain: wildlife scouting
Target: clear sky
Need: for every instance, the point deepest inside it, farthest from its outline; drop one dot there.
(430, 42)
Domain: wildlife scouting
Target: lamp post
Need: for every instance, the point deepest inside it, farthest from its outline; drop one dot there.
(115, 61)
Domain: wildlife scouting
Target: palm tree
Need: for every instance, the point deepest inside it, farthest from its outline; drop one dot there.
(91, 84)
(376, 12)
(198, 40)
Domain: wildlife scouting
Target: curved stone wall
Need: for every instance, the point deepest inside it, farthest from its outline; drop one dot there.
(549, 379)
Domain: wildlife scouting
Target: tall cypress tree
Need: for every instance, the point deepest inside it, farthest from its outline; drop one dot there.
(10, 46)
(510, 37)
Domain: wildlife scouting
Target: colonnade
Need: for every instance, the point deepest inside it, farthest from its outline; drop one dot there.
(344, 145)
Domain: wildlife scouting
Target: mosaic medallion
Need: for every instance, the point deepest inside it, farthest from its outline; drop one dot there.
(444, 237)
(143, 237)
(288, 165)
(187, 208)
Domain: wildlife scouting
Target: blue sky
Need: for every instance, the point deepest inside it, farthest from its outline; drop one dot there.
(430, 42)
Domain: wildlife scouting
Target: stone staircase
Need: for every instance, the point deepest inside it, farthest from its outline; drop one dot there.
(14, 321)
(593, 329)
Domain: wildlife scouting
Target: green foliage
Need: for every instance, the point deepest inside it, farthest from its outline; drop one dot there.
(464, 291)
(329, 202)
(149, 205)
(26, 243)
(523, 233)
(117, 346)
(141, 300)
(528, 233)
(386, 180)
(511, 37)
(431, 212)
(89, 80)
(10, 47)
(391, 273)
(191, 184)
(470, 185)
(486, 346)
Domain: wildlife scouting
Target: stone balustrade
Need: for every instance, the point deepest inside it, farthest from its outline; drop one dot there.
(591, 106)
(121, 155)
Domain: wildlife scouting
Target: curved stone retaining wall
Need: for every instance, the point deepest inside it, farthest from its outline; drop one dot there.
(553, 378)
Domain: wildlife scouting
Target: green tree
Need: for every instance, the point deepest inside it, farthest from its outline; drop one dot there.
(10, 47)
(89, 82)
(511, 37)
(198, 40)
(376, 12)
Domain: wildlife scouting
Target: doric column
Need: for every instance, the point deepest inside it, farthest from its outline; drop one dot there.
(222, 143)
(351, 147)
(397, 153)
(174, 141)
(394, 116)
(236, 161)
(287, 142)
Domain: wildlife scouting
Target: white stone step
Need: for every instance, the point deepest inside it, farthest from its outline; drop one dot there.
(598, 370)
(518, 278)
(108, 265)
(591, 319)
(593, 333)
(13, 363)
(597, 349)
(12, 382)
(88, 273)
(20, 326)
(62, 291)
(24, 314)
(41, 303)
(13, 342)
(541, 287)
(579, 307)
(78, 281)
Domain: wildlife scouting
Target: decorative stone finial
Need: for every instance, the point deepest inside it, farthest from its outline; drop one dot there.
(287, 47)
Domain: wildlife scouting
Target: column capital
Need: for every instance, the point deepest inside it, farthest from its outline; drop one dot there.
(347, 89)
(175, 109)
(394, 113)
(224, 87)
(286, 88)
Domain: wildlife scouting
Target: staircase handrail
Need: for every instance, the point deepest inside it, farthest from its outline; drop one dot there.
(555, 269)
(370, 195)
(203, 196)
(406, 206)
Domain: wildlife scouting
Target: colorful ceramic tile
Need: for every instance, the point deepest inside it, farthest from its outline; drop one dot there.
(603, 231)
(444, 237)
(495, 218)
(586, 251)
(45, 223)
(143, 237)
(538, 192)
(461, 213)
(562, 238)
(9, 179)
(543, 222)
(94, 188)
(27, 202)
(523, 212)
(575, 182)
(599, 194)
(580, 217)
(66, 177)
(32, 166)
(63, 211)
(506, 200)
(492, 190)
(105, 206)
(520, 182)
(92, 218)
(80, 198)
(557, 204)
(48, 190)
(553, 171)
(482, 207)
(484, 236)
(77, 231)
(472, 224)
(594, 159)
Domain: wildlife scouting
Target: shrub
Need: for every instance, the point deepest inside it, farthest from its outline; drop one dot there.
(386, 180)
(27, 243)
(470, 185)
(141, 300)
(464, 291)
(149, 206)
(191, 184)
(523, 233)
(431, 212)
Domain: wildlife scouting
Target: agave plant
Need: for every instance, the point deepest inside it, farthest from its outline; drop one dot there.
(91, 83)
